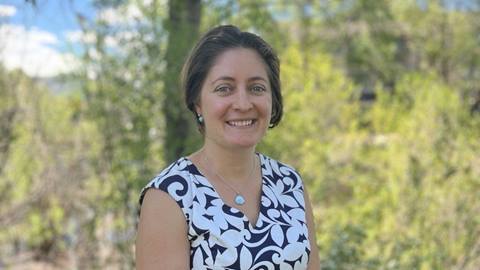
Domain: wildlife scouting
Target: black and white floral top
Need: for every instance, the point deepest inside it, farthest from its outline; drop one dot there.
(221, 236)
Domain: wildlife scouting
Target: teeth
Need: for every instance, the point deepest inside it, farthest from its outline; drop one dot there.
(242, 123)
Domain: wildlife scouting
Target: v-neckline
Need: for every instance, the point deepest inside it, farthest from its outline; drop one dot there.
(244, 216)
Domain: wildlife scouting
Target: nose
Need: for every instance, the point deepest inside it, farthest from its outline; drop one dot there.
(242, 100)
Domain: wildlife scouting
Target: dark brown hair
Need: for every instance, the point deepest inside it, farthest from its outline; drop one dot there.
(210, 46)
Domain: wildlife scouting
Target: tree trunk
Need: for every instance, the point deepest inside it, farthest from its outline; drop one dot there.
(183, 27)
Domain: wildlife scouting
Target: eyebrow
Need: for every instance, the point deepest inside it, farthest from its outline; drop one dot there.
(228, 78)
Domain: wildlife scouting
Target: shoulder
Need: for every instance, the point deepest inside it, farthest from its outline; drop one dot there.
(275, 170)
(162, 226)
(173, 180)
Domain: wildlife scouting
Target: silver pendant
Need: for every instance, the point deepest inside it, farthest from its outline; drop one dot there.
(239, 200)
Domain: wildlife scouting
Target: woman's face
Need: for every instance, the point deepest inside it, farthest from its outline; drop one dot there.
(236, 99)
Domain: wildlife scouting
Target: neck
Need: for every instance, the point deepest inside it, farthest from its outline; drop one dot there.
(230, 164)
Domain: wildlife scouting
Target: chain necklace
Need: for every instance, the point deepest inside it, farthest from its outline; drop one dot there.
(239, 198)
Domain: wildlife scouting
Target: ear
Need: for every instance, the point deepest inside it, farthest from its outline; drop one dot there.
(198, 109)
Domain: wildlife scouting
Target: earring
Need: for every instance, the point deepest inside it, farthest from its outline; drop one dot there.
(200, 119)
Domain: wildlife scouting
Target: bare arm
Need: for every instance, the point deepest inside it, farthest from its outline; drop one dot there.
(314, 262)
(162, 234)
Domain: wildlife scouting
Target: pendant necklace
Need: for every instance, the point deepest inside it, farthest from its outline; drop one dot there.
(239, 199)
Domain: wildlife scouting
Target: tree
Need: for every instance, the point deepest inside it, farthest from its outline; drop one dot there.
(183, 27)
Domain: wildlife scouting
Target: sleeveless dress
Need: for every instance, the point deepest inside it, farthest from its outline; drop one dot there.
(222, 237)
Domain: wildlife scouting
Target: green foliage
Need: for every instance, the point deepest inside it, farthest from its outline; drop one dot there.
(346, 250)
(394, 180)
(396, 183)
(44, 167)
(319, 102)
(45, 227)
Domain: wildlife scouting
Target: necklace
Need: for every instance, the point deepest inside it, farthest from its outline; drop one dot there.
(239, 199)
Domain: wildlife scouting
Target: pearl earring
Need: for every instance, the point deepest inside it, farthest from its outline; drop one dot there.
(200, 119)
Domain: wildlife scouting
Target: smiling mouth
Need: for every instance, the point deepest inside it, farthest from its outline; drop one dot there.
(241, 123)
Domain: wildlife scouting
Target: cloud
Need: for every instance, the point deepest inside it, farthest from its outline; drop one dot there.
(78, 36)
(31, 50)
(130, 13)
(122, 15)
(7, 11)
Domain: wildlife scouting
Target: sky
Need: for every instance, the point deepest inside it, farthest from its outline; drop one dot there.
(40, 40)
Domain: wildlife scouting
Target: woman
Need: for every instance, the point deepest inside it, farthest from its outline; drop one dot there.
(226, 206)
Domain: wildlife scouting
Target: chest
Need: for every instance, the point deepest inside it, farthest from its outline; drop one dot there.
(251, 194)
(222, 236)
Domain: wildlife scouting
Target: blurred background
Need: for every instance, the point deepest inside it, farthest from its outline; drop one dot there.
(382, 119)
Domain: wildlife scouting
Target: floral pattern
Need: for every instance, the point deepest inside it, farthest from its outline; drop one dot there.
(222, 237)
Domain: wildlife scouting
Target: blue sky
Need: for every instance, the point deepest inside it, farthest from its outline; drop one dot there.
(36, 38)
(57, 17)
(40, 39)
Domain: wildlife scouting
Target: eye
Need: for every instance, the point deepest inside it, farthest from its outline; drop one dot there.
(223, 89)
(258, 89)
